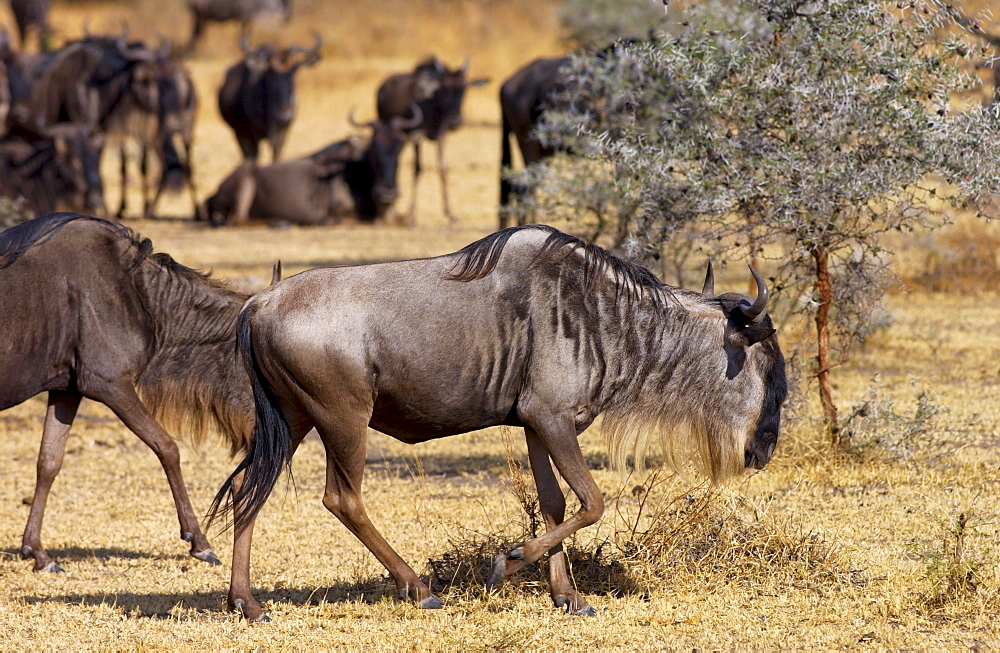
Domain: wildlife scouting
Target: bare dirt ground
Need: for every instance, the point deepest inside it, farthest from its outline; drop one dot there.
(896, 547)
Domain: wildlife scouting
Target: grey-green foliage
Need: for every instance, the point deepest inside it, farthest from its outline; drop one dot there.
(595, 23)
(786, 127)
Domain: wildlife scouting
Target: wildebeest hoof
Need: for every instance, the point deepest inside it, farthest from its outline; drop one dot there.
(239, 606)
(516, 554)
(431, 603)
(208, 555)
(51, 568)
(585, 611)
(498, 573)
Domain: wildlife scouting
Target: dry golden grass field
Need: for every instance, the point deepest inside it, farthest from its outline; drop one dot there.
(896, 546)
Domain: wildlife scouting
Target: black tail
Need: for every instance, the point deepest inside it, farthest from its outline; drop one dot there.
(269, 454)
(505, 163)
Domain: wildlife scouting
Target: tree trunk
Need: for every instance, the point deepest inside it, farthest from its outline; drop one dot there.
(824, 288)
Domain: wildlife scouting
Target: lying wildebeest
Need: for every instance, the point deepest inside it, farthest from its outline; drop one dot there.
(52, 168)
(32, 15)
(89, 311)
(219, 11)
(438, 92)
(527, 327)
(345, 179)
(257, 96)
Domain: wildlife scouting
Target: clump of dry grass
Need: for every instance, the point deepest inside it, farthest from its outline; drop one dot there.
(666, 534)
(961, 580)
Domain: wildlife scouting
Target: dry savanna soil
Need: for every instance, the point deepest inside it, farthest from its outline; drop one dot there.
(892, 546)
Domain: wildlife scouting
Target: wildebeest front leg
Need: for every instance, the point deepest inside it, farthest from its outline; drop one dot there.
(130, 410)
(557, 435)
(345, 466)
(411, 215)
(59, 417)
(553, 505)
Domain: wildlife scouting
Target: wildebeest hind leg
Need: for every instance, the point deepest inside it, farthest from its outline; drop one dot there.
(58, 419)
(443, 172)
(345, 465)
(557, 435)
(126, 405)
(553, 505)
(240, 597)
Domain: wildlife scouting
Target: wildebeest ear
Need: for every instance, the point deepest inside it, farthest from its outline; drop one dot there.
(751, 334)
(276, 273)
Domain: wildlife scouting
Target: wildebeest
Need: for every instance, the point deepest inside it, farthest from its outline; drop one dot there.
(245, 11)
(349, 178)
(524, 97)
(257, 97)
(88, 310)
(438, 92)
(32, 15)
(527, 327)
(52, 168)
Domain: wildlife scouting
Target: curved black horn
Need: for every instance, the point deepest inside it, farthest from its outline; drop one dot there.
(354, 123)
(86, 28)
(137, 54)
(759, 304)
(708, 289)
(245, 46)
(312, 54)
(410, 123)
(164, 51)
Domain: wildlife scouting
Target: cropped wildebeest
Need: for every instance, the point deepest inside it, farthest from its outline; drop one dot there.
(536, 87)
(88, 310)
(527, 327)
(257, 97)
(244, 11)
(52, 168)
(347, 179)
(32, 15)
(438, 92)
(524, 97)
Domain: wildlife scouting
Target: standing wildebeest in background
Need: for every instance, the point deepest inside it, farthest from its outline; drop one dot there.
(524, 97)
(345, 179)
(87, 310)
(166, 130)
(52, 168)
(438, 92)
(553, 332)
(257, 97)
(245, 11)
(32, 14)
(121, 89)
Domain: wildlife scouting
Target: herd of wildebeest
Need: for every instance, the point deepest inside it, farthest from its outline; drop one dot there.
(60, 107)
(526, 327)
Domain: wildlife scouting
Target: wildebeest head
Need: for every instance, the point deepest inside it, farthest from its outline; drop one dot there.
(382, 154)
(436, 89)
(750, 326)
(277, 68)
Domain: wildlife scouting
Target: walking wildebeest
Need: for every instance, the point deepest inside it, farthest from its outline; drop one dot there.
(527, 327)
(257, 97)
(87, 310)
(32, 14)
(344, 179)
(438, 92)
(52, 168)
(245, 11)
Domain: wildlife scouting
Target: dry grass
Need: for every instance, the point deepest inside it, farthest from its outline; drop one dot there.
(896, 548)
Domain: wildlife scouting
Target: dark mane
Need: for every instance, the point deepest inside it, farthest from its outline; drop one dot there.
(17, 240)
(480, 258)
